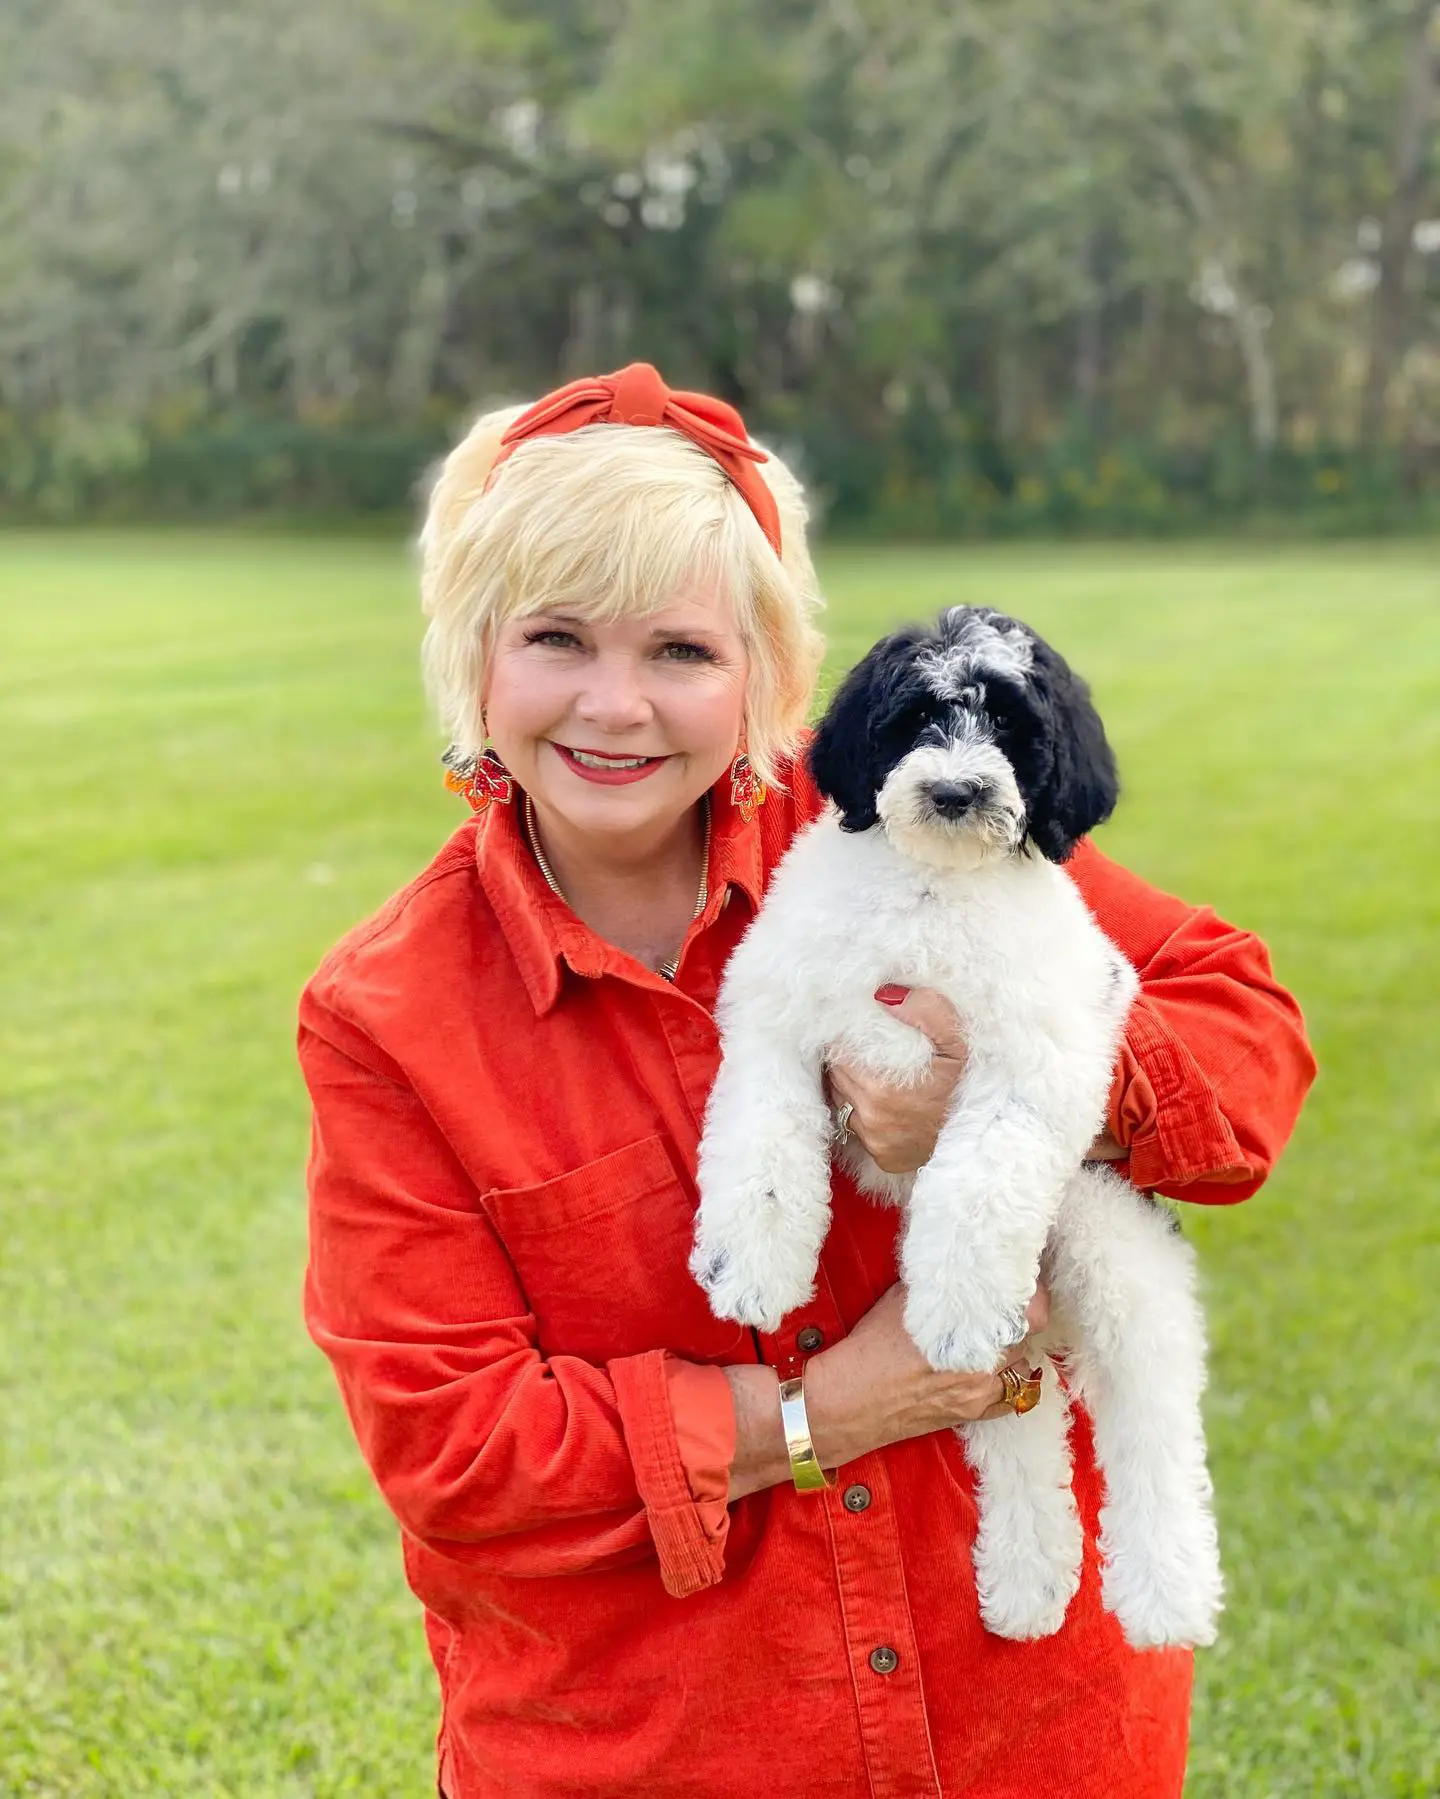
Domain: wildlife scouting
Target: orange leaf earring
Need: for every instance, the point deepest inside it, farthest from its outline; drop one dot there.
(747, 790)
(480, 778)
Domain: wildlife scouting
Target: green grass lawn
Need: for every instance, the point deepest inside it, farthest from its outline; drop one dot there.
(214, 758)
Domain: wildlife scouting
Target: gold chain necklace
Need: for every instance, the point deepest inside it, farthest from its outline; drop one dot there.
(667, 969)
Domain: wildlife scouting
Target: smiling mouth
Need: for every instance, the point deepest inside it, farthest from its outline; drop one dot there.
(608, 770)
(600, 760)
(593, 759)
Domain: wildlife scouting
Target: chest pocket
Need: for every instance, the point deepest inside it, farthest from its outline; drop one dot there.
(601, 1253)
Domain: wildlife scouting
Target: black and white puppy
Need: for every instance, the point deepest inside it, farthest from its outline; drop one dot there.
(963, 763)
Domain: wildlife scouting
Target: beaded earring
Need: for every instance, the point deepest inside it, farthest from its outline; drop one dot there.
(747, 790)
(480, 778)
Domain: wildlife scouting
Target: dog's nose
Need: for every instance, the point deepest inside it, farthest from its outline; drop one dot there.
(953, 799)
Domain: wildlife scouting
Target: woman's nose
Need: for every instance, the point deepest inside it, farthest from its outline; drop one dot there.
(614, 696)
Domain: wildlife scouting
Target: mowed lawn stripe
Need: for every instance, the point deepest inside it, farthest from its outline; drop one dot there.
(214, 758)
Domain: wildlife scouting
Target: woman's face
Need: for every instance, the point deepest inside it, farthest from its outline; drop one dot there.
(616, 729)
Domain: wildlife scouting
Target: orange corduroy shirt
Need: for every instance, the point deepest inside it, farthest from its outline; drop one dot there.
(502, 1186)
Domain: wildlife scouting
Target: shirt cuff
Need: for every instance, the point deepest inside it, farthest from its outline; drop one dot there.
(679, 1424)
(1163, 1111)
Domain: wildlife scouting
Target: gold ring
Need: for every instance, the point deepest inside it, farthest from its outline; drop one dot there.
(1022, 1392)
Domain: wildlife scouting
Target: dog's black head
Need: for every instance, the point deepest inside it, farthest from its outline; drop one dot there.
(966, 740)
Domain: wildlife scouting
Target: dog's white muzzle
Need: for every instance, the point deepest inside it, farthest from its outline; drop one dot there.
(953, 805)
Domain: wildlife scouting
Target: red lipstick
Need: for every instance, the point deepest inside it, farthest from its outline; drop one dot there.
(607, 770)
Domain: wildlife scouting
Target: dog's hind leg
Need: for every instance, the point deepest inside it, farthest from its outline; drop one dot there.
(1029, 1544)
(1123, 1283)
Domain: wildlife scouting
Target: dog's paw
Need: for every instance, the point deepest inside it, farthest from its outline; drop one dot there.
(743, 1287)
(1174, 1621)
(1025, 1599)
(958, 1344)
(1029, 1544)
(1165, 1592)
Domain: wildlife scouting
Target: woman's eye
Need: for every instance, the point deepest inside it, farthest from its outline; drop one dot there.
(680, 651)
(560, 639)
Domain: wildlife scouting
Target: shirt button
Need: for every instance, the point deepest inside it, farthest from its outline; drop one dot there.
(884, 1659)
(810, 1338)
(856, 1498)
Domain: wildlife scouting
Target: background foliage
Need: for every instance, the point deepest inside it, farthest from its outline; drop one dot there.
(983, 265)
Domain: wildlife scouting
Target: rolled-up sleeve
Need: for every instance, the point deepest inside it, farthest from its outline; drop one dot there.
(679, 1423)
(1215, 1063)
(485, 1449)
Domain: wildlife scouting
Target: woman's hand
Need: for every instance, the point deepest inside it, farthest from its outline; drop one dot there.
(871, 1388)
(898, 1126)
(874, 1387)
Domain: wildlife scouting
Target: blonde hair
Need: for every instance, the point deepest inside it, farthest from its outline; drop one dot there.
(611, 521)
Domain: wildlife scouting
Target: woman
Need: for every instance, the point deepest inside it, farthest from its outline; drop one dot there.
(629, 1587)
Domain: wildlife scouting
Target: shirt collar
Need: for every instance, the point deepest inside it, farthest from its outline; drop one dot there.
(544, 935)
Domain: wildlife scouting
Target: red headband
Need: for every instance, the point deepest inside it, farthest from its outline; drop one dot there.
(637, 396)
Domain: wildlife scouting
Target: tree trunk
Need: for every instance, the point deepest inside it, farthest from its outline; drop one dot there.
(1009, 392)
(1251, 317)
(584, 350)
(1388, 309)
(412, 368)
(1088, 343)
(1251, 324)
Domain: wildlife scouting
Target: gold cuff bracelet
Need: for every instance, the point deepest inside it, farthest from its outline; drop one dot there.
(805, 1469)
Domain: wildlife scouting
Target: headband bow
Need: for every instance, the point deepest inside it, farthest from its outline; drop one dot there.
(638, 396)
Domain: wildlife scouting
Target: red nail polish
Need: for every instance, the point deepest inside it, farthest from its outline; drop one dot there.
(891, 995)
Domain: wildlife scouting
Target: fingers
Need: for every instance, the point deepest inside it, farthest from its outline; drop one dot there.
(877, 1099)
(1023, 1355)
(1022, 1359)
(996, 1407)
(1037, 1312)
(845, 1087)
(929, 1012)
(897, 1126)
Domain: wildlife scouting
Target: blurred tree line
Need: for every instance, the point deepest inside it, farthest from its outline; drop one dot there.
(978, 264)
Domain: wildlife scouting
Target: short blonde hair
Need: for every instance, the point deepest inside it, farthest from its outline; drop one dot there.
(611, 521)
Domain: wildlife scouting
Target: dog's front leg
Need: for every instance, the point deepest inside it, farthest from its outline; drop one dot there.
(979, 1214)
(764, 1178)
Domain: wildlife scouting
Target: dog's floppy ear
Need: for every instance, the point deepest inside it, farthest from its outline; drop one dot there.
(1084, 785)
(847, 754)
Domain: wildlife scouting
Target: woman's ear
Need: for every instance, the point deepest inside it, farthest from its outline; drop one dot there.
(1084, 784)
